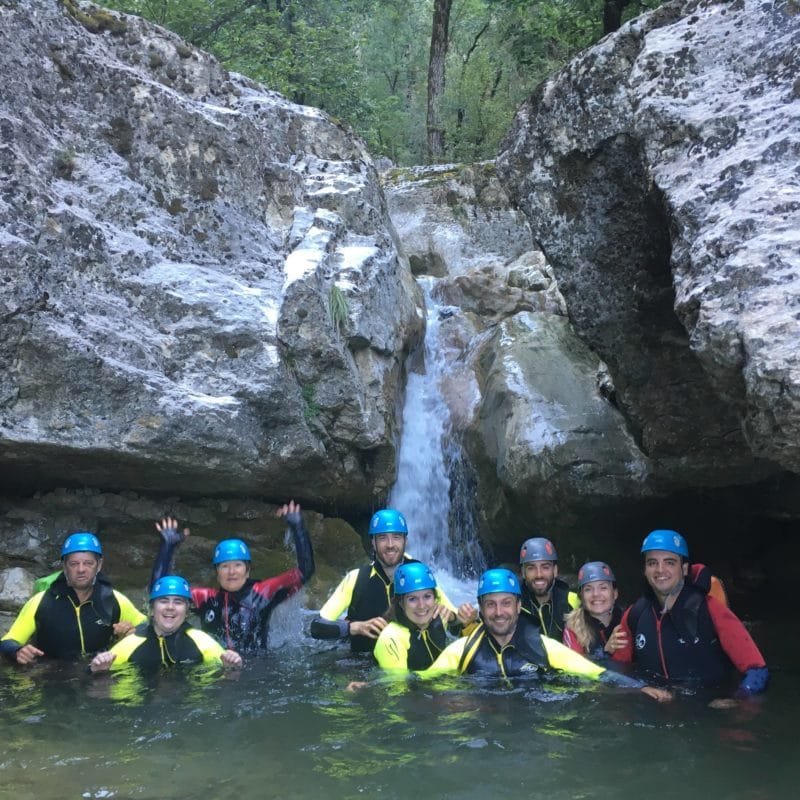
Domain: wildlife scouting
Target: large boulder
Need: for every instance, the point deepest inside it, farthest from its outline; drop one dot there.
(659, 173)
(201, 292)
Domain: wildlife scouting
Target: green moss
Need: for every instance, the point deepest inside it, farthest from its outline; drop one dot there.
(310, 407)
(64, 162)
(96, 20)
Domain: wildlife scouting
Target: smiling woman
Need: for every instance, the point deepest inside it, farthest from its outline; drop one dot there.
(167, 640)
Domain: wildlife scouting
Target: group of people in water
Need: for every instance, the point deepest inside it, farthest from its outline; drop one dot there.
(680, 630)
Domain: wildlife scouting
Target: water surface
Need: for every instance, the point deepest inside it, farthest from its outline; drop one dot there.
(287, 728)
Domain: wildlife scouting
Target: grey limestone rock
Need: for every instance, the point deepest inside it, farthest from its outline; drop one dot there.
(201, 292)
(659, 172)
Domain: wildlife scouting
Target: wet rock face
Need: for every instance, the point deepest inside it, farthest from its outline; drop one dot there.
(200, 288)
(32, 531)
(659, 173)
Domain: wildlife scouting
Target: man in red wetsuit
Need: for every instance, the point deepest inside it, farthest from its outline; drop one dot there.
(679, 631)
(237, 612)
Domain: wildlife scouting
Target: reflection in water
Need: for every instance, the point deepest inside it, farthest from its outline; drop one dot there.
(288, 728)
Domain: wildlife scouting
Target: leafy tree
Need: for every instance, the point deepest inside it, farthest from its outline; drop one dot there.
(376, 65)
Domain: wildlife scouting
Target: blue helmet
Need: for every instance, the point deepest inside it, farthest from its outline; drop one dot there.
(231, 550)
(537, 549)
(671, 541)
(81, 543)
(498, 580)
(595, 571)
(170, 586)
(413, 577)
(387, 520)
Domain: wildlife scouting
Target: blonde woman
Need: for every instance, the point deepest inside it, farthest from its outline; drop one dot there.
(592, 629)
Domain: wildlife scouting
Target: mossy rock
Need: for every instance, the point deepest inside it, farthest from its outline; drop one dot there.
(96, 20)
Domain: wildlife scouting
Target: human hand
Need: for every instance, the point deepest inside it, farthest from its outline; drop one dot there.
(371, 628)
(27, 654)
(291, 511)
(122, 628)
(443, 612)
(617, 641)
(102, 661)
(168, 529)
(230, 658)
(467, 613)
(721, 703)
(659, 695)
(354, 686)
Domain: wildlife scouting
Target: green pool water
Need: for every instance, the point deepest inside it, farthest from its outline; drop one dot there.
(286, 727)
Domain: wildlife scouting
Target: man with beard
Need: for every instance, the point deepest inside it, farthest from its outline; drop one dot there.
(508, 644)
(79, 612)
(365, 594)
(545, 597)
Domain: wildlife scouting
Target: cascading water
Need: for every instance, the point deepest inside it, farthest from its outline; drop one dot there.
(432, 489)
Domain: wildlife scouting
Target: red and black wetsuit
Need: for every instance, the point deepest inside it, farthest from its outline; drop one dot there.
(240, 620)
(602, 634)
(699, 640)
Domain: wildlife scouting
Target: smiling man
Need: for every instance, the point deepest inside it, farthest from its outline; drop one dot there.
(545, 597)
(78, 614)
(358, 605)
(508, 644)
(678, 631)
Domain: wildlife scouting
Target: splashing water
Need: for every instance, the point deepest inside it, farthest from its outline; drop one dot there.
(432, 489)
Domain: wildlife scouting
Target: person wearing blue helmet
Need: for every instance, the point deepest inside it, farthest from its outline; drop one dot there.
(679, 631)
(416, 630)
(508, 644)
(237, 611)
(545, 596)
(358, 607)
(77, 614)
(167, 640)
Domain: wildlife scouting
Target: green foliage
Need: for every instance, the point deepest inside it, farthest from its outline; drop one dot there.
(365, 61)
(64, 162)
(339, 309)
(310, 407)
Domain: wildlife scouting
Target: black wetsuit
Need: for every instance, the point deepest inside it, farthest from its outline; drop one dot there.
(240, 620)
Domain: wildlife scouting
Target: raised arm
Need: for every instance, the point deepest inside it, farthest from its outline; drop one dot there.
(171, 537)
(302, 542)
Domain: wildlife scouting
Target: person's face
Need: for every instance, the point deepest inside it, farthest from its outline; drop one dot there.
(389, 548)
(500, 611)
(539, 576)
(663, 571)
(81, 569)
(231, 575)
(598, 597)
(419, 606)
(169, 613)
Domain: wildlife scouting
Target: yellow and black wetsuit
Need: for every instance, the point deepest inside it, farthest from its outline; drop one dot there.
(363, 593)
(185, 647)
(402, 646)
(528, 653)
(549, 616)
(56, 622)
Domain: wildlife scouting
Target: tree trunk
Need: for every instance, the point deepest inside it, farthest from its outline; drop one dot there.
(436, 76)
(612, 14)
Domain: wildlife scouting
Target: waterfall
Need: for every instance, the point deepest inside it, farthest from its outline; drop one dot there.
(433, 490)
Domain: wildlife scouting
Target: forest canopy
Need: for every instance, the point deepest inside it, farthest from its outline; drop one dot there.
(369, 62)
